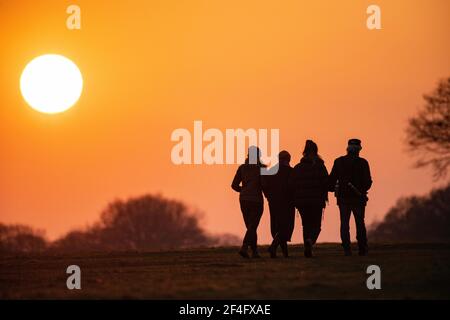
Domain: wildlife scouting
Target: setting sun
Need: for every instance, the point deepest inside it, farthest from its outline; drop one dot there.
(260, 151)
(51, 83)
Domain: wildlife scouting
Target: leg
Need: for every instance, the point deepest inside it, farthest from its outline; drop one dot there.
(274, 245)
(345, 212)
(361, 234)
(307, 222)
(284, 249)
(273, 218)
(289, 222)
(274, 227)
(304, 217)
(256, 210)
(284, 216)
(316, 223)
(287, 227)
(246, 212)
(246, 241)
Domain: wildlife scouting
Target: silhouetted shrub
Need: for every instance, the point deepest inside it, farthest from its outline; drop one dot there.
(143, 223)
(21, 239)
(417, 219)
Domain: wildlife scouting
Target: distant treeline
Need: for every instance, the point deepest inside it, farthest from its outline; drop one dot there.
(156, 223)
(416, 219)
(20, 238)
(149, 222)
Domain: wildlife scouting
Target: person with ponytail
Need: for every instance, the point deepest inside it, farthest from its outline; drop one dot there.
(309, 185)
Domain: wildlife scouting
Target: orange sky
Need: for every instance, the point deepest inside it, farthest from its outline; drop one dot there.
(310, 68)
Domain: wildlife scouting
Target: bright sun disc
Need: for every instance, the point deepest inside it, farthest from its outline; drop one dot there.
(51, 83)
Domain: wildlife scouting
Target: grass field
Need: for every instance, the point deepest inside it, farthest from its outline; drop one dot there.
(408, 271)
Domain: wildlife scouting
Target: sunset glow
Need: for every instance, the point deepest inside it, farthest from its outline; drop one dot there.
(311, 69)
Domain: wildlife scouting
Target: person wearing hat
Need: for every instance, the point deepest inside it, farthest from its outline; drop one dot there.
(350, 180)
(309, 185)
(281, 207)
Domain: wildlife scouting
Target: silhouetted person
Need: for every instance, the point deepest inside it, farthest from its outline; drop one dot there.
(250, 198)
(350, 180)
(309, 183)
(281, 206)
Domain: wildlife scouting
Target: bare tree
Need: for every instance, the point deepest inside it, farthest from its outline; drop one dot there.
(429, 131)
(148, 222)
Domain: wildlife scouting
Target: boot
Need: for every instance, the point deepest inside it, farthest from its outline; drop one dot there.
(347, 251)
(243, 252)
(255, 254)
(284, 249)
(363, 250)
(308, 248)
(273, 248)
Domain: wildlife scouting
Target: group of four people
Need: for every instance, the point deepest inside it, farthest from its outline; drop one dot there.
(304, 187)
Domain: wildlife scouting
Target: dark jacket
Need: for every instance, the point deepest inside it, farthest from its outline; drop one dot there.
(350, 169)
(275, 187)
(250, 177)
(281, 205)
(309, 183)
